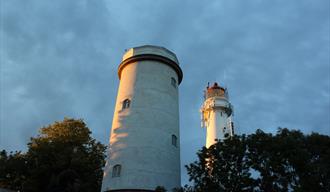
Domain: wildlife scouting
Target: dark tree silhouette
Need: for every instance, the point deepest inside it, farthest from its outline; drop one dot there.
(13, 169)
(62, 146)
(287, 161)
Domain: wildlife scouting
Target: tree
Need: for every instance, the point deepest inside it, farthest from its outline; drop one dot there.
(12, 169)
(59, 148)
(271, 157)
(222, 167)
(287, 161)
(290, 160)
(318, 147)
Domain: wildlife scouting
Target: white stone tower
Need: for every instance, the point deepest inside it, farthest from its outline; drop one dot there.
(216, 114)
(144, 149)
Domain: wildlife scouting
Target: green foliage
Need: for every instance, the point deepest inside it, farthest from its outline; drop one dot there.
(221, 167)
(287, 161)
(60, 147)
(12, 169)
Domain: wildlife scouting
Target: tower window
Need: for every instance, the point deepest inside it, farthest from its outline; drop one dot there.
(126, 104)
(173, 82)
(116, 170)
(232, 128)
(221, 113)
(174, 140)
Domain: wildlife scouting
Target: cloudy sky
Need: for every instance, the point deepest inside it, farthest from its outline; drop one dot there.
(60, 58)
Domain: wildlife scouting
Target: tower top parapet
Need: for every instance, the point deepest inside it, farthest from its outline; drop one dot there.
(151, 52)
(215, 91)
(150, 49)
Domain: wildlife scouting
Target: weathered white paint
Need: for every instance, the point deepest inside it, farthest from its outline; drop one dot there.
(141, 135)
(216, 117)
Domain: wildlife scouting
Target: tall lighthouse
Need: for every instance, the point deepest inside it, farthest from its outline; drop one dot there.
(216, 113)
(144, 149)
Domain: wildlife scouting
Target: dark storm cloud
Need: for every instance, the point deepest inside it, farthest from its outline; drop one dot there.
(59, 58)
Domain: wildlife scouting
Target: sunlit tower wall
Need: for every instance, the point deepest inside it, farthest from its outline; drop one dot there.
(144, 150)
(216, 113)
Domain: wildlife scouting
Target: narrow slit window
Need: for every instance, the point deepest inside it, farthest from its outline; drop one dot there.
(126, 104)
(232, 128)
(116, 171)
(174, 141)
(173, 82)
